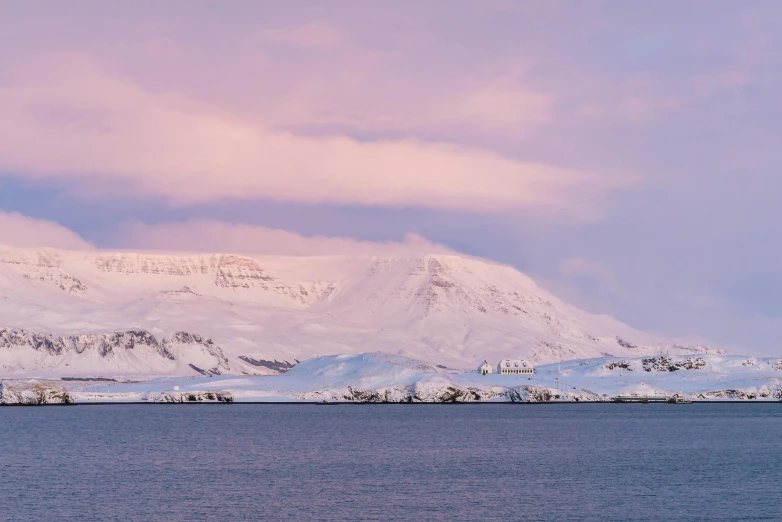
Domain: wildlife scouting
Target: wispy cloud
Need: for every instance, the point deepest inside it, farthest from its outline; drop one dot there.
(68, 120)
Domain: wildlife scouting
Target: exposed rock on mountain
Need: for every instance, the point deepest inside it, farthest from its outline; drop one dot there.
(131, 351)
(277, 366)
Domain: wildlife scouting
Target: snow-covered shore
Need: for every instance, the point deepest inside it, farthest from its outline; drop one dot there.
(378, 378)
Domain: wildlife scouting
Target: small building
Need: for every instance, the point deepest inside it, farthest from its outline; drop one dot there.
(485, 368)
(515, 366)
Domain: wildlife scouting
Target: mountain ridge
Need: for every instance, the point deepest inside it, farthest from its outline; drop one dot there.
(442, 308)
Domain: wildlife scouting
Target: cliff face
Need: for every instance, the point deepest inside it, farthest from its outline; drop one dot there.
(124, 352)
(105, 344)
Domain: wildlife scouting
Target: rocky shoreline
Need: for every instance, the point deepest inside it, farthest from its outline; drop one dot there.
(33, 392)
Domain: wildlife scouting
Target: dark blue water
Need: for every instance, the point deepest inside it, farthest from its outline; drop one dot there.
(480, 462)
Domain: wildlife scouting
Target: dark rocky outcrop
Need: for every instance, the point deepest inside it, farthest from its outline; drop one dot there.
(196, 396)
(207, 344)
(399, 395)
(623, 365)
(275, 365)
(111, 343)
(33, 392)
(213, 371)
(448, 393)
(666, 363)
(625, 344)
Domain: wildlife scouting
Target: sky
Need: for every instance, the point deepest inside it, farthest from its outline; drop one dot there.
(624, 154)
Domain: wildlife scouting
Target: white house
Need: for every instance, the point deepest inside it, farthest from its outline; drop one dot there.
(515, 366)
(485, 368)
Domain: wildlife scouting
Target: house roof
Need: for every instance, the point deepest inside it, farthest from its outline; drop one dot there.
(515, 363)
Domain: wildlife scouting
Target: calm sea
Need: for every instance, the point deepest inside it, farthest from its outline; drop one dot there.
(428, 462)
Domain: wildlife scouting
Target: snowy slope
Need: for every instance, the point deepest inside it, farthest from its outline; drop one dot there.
(261, 314)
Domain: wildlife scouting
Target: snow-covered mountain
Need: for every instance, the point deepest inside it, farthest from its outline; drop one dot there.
(96, 313)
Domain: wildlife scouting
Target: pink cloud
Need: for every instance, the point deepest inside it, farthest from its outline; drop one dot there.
(216, 236)
(21, 231)
(69, 120)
